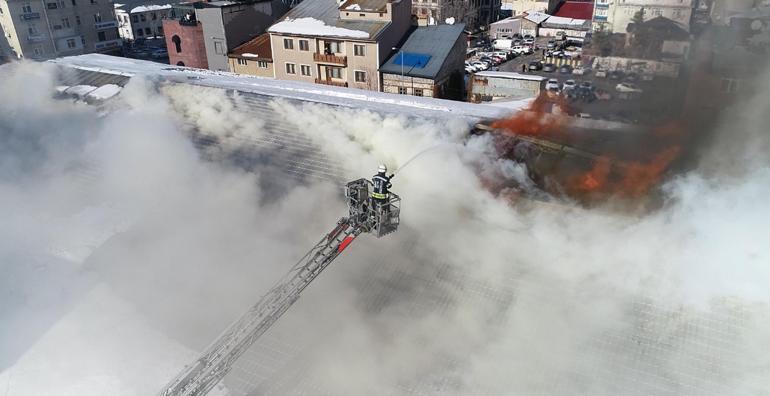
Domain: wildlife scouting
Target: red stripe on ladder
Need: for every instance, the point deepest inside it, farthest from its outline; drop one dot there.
(345, 242)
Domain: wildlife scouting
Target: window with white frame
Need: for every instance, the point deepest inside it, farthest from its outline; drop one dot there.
(288, 44)
(359, 50)
(402, 90)
(417, 92)
(242, 62)
(290, 68)
(360, 76)
(262, 64)
(334, 72)
(304, 45)
(305, 70)
(71, 43)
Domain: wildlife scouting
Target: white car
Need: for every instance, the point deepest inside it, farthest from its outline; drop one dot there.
(570, 84)
(522, 50)
(628, 88)
(580, 70)
(529, 41)
(480, 65)
(552, 85)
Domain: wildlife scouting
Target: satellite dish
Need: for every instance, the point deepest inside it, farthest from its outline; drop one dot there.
(756, 25)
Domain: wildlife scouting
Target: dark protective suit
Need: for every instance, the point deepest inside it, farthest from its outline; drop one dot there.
(381, 183)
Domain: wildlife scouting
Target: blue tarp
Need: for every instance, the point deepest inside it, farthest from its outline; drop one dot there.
(412, 60)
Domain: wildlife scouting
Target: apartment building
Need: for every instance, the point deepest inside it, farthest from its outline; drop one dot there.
(615, 15)
(255, 57)
(145, 21)
(434, 12)
(518, 7)
(340, 44)
(228, 24)
(53, 28)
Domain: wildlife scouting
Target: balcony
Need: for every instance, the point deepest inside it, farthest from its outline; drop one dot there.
(330, 82)
(330, 59)
(106, 25)
(602, 5)
(28, 16)
(105, 45)
(600, 18)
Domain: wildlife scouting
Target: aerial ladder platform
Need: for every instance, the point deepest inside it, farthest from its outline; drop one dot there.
(364, 216)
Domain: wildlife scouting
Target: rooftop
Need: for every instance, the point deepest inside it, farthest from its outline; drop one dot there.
(151, 7)
(576, 9)
(321, 18)
(257, 48)
(365, 5)
(567, 23)
(510, 75)
(428, 48)
(536, 16)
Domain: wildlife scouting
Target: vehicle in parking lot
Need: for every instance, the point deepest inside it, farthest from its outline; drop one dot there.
(627, 87)
(570, 85)
(552, 85)
(522, 50)
(470, 69)
(565, 69)
(529, 41)
(581, 70)
(615, 75)
(549, 67)
(478, 65)
(561, 35)
(551, 44)
(529, 36)
(535, 65)
(502, 54)
(601, 73)
(502, 44)
(587, 85)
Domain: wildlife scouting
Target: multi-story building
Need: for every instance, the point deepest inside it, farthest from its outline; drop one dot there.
(47, 29)
(489, 11)
(185, 42)
(145, 21)
(518, 7)
(227, 24)
(341, 44)
(434, 12)
(615, 15)
(255, 57)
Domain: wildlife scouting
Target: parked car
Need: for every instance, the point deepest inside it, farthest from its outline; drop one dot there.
(626, 87)
(549, 67)
(615, 75)
(480, 65)
(551, 44)
(535, 65)
(502, 44)
(561, 36)
(529, 36)
(587, 85)
(565, 69)
(529, 41)
(581, 70)
(552, 85)
(470, 69)
(601, 73)
(570, 85)
(522, 50)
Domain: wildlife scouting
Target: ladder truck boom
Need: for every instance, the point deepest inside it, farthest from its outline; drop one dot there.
(364, 216)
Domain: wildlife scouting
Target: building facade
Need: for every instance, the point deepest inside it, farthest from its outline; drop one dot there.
(185, 43)
(488, 86)
(434, 12)
(144, 21)
(255, 57)
(325, 42)
(227, 24)
(518, 7)
(430, 63)
(52, 28)
(615, 15)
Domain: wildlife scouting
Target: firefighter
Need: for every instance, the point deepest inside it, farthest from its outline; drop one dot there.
(381, 183)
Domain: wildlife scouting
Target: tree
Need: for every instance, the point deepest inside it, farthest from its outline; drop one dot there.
(638, 18)
(602, 41)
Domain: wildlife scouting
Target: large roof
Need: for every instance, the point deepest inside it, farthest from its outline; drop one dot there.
(322, 18)
(434, 42)
(576, 9)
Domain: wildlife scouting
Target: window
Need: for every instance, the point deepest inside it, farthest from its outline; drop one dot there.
(93, 1)
(147, 31)
(97, 17)
(154, 16)
(52, 6)
(360, 76)
(219, 47)
(180, 63)
(135, 18)
(65, 22)
(139, 32)
(304, 45)
(402, 90)
(26, 8)
(243, 62)
(417, 92)
(143, 18)
(160, 30)
(359, 50)
(38, 51)
(102, 36)
(77, 20)
(334, 72)
(288, 44)
(177, 43)
(62, 4)
(332, 47)
(32, 30)
(74, 3)
(305, 70)
(262, 64)
(71, 43)
(290, 68)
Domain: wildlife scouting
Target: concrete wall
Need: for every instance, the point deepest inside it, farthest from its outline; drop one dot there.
(193, 52)
(551, 32)
(505, 28)
(519, 7)
(391, 83)
(621, 14)
(59, 28)
(640, 66)
(490, 88)
(242, 65)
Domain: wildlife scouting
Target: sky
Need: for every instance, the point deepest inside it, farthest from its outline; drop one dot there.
(125, 251)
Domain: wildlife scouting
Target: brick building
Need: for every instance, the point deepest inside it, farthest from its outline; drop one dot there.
(185, 43)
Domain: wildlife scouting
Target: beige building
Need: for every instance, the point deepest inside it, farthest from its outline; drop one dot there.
(254, 57)
(615, 15)
(518, 7)
(52, 28)
(340, 44)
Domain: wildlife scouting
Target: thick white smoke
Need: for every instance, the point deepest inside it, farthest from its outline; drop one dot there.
(145, 252)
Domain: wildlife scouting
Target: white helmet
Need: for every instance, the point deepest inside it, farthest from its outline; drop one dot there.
(382, 168)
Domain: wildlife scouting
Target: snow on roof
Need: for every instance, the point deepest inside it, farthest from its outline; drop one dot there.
(353, 7)
(105, 92)
(249, 55)
(561, 21)
(536, 16)
(510, 75)
(516, 104)
(151, 7)
(313, 27)
(79, 90)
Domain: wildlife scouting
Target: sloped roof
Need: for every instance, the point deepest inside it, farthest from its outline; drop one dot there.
(316, 18)
(575, 9)
(536, 16)
(567, 23)
(433, 41)
(257, 48)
